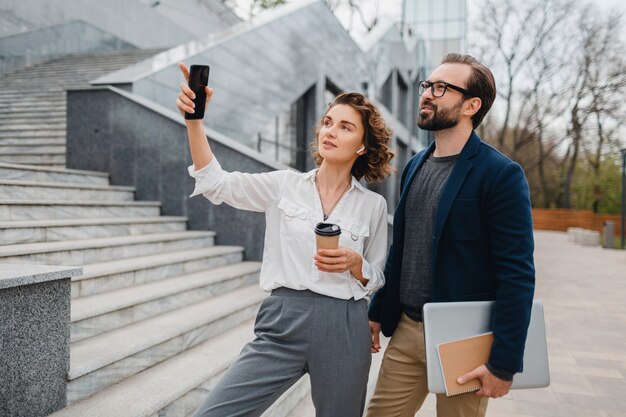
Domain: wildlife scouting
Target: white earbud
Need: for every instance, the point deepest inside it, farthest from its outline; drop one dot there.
(361, 150)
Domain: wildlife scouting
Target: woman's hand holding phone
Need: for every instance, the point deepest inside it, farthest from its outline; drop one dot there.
(201, 152)
(185, 100)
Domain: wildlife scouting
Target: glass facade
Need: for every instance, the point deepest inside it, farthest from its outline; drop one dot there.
(440, 24)
(436, 27)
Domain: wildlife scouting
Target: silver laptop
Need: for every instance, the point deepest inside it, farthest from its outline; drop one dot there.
(444, 322)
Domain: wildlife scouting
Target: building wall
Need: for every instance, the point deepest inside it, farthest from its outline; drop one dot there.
(259, 69)
(34, 46)
(142, 23)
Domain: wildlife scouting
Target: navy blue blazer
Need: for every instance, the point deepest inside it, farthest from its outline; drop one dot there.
(482, 247)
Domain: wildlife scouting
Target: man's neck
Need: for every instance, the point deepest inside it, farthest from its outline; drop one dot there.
(451, 141)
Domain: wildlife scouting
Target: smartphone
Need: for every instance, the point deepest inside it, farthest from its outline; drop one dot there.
(198, 79)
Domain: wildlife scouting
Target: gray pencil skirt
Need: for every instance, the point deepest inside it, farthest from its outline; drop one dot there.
(299, 332)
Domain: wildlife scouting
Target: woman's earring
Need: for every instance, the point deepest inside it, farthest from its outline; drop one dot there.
(361, 149)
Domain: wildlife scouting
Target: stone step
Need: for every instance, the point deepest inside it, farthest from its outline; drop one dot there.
(57, 160)
(110, 357)
(32, 231)
(21, 149)
(46, 133)
(31, 116)
(33, 119)
(87, 251)
(32, 142)
(177, 386)
(77, 67)
(54, 94)
(29, 107)
(32, 81)
(7, 114)
(14, 126)
(34, 77)
(62, 191)
(146, 393)
(11, 82)
(59, 209)
(19, 95)
(100, 313)
(35, 173)
(49, 92)
(6, 95)
(101, 277)
(69, 72)
(34, 102)
(56, 166)
(55, 146)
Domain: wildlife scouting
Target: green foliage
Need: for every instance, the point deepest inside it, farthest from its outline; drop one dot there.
(605, 189)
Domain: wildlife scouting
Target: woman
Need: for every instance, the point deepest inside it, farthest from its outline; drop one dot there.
(315, 320)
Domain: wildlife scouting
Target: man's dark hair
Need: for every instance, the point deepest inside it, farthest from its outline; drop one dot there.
(480, 84)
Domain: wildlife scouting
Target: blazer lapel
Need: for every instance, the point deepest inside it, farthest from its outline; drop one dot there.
(417, 164)
(461, 168)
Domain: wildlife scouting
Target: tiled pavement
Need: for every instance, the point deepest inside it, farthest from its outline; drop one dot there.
(584, 294)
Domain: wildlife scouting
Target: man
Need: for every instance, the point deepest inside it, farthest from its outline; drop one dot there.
(462, 232)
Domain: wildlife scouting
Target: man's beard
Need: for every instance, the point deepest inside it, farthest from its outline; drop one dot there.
(440, 118)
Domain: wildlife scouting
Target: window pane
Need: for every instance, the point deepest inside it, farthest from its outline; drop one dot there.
(454, 9)
(438, 10)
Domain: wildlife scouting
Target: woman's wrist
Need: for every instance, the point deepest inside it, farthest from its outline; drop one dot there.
(194, 122)
(357, 270)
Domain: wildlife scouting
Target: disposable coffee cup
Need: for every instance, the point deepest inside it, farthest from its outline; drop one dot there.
(327, 235)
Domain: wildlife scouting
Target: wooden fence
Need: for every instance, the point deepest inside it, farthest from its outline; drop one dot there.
(561, 219)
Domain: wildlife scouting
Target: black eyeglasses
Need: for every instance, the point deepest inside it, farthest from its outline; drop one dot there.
(438, 88)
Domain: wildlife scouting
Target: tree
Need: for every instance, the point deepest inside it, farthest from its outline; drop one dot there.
(596, 115)
(562, 92)
(355, 9)
(510, 42)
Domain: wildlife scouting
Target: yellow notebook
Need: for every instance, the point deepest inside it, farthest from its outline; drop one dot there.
(459, 357)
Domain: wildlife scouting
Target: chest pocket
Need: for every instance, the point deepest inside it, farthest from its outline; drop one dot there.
(295, 221)
(353, 235)
(463, 222)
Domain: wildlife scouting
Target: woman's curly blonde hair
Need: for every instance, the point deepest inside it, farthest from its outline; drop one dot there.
(375, 164)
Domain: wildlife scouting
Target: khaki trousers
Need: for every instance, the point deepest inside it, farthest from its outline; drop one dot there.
(402, 386)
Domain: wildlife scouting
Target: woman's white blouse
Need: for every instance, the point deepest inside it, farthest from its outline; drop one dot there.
(292, 208)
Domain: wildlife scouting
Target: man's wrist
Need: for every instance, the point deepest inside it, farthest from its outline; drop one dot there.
(500, 373)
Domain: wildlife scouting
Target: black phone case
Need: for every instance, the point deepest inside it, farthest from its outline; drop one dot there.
(198, 79)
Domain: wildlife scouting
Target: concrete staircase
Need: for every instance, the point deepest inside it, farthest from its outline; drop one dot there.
(32, 104)
(160, 312)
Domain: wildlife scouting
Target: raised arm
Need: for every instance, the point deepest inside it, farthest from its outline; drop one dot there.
(201, 153)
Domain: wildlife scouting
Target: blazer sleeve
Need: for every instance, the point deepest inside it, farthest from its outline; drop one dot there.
(510, 230)
(378, 299)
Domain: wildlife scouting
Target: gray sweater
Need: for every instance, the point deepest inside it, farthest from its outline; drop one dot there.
(421, 207)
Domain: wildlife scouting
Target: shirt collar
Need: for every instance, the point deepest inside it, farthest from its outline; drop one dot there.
(311, 177)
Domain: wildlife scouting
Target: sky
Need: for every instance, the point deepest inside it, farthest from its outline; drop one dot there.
(393, 9)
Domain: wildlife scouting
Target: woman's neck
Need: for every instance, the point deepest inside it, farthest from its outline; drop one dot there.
(332, 179)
